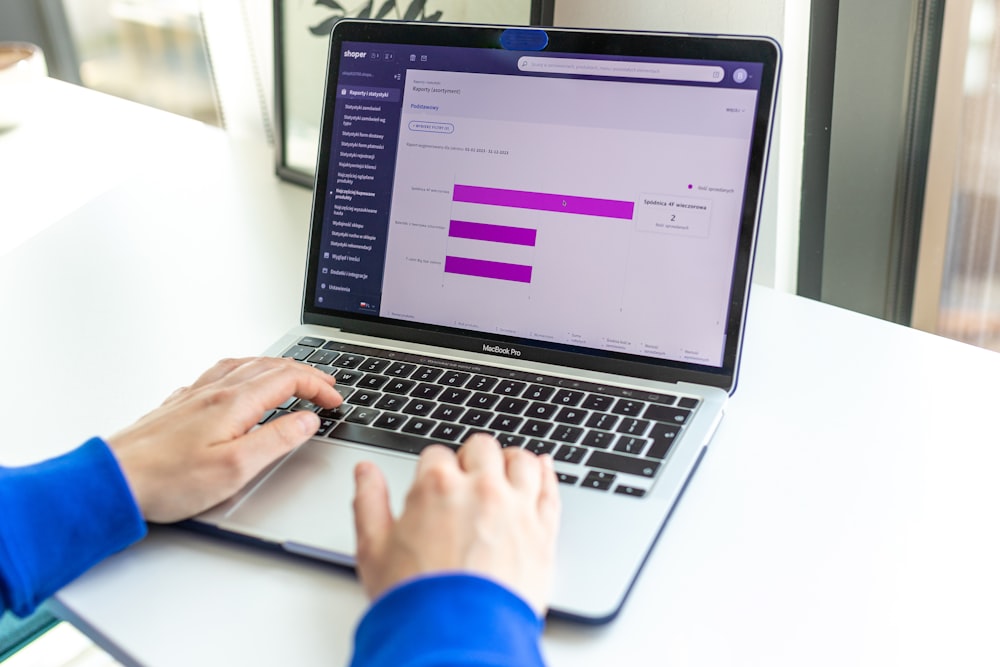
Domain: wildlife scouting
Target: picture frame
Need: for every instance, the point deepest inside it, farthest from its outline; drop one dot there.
(301, 40)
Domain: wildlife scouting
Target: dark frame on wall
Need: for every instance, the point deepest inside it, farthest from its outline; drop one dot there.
(300, 63)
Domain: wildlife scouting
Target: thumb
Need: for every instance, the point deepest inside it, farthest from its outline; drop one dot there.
(372, 516)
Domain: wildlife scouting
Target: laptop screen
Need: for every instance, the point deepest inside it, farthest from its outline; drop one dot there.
(559, 200)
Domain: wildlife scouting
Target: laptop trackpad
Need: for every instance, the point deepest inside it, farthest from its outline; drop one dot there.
(308, 498)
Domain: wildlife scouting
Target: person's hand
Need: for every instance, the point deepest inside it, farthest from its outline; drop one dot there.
(488, 511)
(197, 449)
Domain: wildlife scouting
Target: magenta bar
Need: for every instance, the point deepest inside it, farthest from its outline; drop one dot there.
(541, 201)
(480, 231)
(482, 268)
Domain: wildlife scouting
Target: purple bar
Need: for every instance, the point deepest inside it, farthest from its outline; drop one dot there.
(541, 201)
(482, 268)
(480, 231)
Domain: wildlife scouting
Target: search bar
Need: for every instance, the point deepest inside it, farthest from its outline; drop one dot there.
(622, 68)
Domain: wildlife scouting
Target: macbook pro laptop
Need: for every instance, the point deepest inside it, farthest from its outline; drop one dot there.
(545, 234)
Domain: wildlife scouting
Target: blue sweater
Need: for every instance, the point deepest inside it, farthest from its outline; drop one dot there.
(60, 517)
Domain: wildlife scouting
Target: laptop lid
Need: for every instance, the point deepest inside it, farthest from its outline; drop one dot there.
(582, 198)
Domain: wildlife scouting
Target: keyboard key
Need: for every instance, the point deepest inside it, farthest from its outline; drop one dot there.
(419, 426)
(566, 433)
(271, 414)
(630, 491)
(482, 400)
(365, 397)
(665, 399)
(688, 402)
(512, 406)
(633, 426)
(302, 405)
(395, 440)
(540, 447)
(571, 416)
(596, 479)
(506, 423)
(598, 439)
(400, 370)
(448, 432)
(427, 374)
(298, 352)
(325, 425)
(362, 416)
(372, 382)
(538, 392)
(602, 421)
(476, 417)
(571, 453)
(338, 412)
(344, 391)
(373, 365)
(631, 445)
(448, 413)
(597, 402)
(665, 413)
(419, 407)
(481, 383)
(625, 464)
(566, 478)
(536, 428)
(454, 378)
(628, 407)
(348, 360)
(310, 341)
(541, 410)
(399, 386)
(663, 436)
(346, 376)
(390, 420)
(454, 396)
(568, 397)
(510, 388)
(428, 391)
(510, 440)
(391, 402)
(322, 357)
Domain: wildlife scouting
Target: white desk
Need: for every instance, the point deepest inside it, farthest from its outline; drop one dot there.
(846, 513)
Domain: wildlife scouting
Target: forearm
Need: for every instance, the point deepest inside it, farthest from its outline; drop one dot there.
(58, 518)
(448, 620)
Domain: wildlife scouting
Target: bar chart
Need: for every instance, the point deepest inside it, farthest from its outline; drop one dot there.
(520, 236)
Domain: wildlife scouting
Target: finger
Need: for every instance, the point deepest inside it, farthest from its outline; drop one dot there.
(435, 456)
(481, 453)
(253, 452)
(549, 503)
(255, 395)
(524, 470)
(372, 516)
(251, 369)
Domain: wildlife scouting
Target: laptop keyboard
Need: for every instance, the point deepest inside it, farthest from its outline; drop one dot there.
(601, 437)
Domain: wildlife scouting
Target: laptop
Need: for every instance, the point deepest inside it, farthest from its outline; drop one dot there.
(545, 234)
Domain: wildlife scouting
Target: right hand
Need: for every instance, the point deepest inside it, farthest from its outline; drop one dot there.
(487, 511)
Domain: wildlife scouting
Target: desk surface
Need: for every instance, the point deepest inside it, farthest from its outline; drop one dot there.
(846, 511)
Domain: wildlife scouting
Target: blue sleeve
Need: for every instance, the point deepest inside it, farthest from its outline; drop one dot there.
(448, 620)
(58, 518)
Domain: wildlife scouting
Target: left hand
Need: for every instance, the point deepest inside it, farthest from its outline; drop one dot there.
(197, 449)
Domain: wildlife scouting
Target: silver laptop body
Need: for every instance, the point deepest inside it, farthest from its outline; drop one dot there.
(506, 218)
